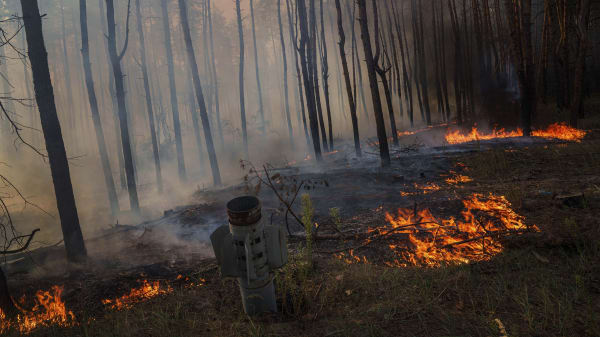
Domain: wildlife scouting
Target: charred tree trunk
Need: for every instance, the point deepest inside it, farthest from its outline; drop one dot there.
(241, 78)
(261, 110)
(89, 81)
(173, 92)
(356, 67)
(7, 306)
(285, 76)
(55, 147)
(372, 70)
(148, 95)
(325, 76)
(305, 61)
(210, 147)
(314, 66)
(67, 68)
(115, 59)
(351, 101)
(300, 93)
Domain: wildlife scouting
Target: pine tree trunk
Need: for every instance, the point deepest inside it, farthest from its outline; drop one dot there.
(115, 60)
(55, 147)
(89, 81)
(261, 110)
(173, 92)
(325, 77)
(241, 78)
(285, 76)
(215, 77)
(210, 147)
(305, 61)
(351, 101)
(371, 68)
(148, 94)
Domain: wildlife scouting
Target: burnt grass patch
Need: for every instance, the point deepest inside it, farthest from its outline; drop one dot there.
(543, 284)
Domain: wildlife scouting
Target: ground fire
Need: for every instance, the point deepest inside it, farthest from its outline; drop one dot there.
(559, 131)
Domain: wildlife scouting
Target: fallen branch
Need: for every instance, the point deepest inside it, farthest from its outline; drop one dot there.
(15, 251)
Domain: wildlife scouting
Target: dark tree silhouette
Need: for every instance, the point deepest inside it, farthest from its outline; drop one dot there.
(57, 155)
(261, 110)
(285, 76)
(89, 81)
(372, 70)
(210, 147)
(241, 78)
(173, 91)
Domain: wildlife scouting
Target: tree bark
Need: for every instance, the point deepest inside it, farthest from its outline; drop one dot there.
(148, 94)
(325, 77)
(115, 60)
(215, 77)
(371, 68)
(241, 78)
(285, 76)
(173, 92)
(261, 110)
(578, 80)
(210, 147)
(89, 81)
(351, 101)
(55, 147)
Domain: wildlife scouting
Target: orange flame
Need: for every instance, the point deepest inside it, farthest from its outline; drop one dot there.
(432, 241)
(555, 131)
(49, 309)
(146, 291)
(458, 179)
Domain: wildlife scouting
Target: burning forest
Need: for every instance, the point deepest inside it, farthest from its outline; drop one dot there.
(299, 167)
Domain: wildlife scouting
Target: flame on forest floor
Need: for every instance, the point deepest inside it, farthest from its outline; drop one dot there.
(457, 178)
(432, 241)
(422, 189)
(49, 309)
(146, 291)
(554, 131)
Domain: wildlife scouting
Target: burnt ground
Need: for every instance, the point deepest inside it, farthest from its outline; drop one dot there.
(545, 283)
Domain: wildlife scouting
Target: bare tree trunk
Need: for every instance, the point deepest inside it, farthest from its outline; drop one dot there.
(314, 64)
(325, 76)
(300, 93)
(148, 95)
(67, 68)
(305, 61)
(173, 91)
(356, 67)
(261, 110)
(89, 81)
(7, 306)
(371, 67)
(351, 101)
(405, 73)
(55, 147)
(115, 59)
(215, 77)
(115, 106)
(210, 147)
(241, 78)
(285, 76)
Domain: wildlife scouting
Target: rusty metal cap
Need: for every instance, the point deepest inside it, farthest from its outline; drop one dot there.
(244, 211)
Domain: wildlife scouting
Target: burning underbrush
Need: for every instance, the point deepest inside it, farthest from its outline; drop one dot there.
(417, 237)
(558, 131)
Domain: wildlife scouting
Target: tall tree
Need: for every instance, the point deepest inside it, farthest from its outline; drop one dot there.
(89, 81)
(214, 74)
(261, 109)
(238, 10)
(307, 72)
(371, 61)
(173, 91)
(578, 80)
(285, 75)
(115, 59)
(191, 56)
(314, 67)
(55, 147)
(325, 75)
(148, 94)
(351, 101)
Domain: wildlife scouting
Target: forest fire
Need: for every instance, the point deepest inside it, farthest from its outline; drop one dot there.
(433, 241)
(49, 309)
(554, 131)
(146, 291)
(458, 179)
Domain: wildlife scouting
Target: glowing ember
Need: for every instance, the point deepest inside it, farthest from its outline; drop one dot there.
(555, 131)
(49, 309)
(432, 241)
(146, 291)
